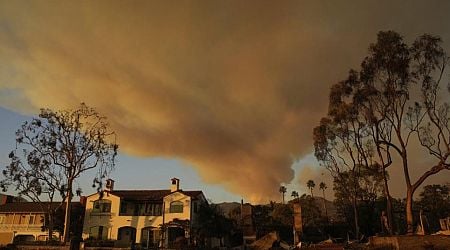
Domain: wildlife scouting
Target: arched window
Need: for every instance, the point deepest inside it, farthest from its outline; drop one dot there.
(176, 207)
(102, 206)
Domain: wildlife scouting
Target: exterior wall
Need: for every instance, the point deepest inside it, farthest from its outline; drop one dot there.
(113, 221)
(177, 197)
(15, 224)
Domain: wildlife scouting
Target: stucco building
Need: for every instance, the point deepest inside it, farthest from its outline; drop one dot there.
(147, 217)
(25, 221)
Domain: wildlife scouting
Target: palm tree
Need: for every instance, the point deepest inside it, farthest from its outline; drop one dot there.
(310, 184)
(295, 195)
(282, 191)
(323, 186)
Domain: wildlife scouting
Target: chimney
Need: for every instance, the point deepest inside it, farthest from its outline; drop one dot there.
(109, 185)
(83, 200)
(175, 186)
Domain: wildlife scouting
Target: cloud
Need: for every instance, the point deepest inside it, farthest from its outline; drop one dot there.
(232, 88)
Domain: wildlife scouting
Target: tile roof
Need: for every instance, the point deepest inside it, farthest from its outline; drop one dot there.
(29, 207)
(141, 194)
(150, 194)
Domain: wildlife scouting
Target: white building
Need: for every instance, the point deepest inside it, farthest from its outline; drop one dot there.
(147, 217)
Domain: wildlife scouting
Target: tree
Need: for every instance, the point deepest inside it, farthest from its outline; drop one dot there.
(294, 194)
(323, 186)
(310, 184)
(282, 190)
(395, 97)
(59, 146)
(369, 186)
(37, 180)
(310, 211)
(435, 202)
(212, 222)
(397, 72)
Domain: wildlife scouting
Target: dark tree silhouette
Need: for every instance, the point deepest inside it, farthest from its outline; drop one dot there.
(310, 184)
(283, 191)
(396, 96)
(295, 195)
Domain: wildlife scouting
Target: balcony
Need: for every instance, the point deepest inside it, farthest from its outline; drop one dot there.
(20, 227)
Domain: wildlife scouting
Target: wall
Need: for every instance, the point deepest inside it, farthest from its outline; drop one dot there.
(113, 221)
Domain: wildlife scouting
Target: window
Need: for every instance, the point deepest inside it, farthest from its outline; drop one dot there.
(41, 219)
(31, 221)
(123, 207)
(176, 207)
(153, 209)
(98, 233)
(102, 206)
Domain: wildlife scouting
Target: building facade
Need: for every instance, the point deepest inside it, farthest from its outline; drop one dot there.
(21, 221)
(25, 221)
(147, 217)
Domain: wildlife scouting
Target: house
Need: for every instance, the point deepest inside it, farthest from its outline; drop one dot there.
(24, 221)
(147, 217)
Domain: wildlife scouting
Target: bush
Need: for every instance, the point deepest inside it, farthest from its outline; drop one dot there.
(99, 243)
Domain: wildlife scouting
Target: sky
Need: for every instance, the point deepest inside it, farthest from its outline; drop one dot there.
(221, 94)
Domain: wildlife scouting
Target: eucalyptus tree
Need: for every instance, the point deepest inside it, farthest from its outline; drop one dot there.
(341, 141)
(397, 97)
(58, 146)
(407, 80)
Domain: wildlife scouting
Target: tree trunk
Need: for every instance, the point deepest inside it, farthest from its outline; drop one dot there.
(325, 205)
(50, 224)
(409, 212)
(388, 203)
(67, 214)
(355, 215)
